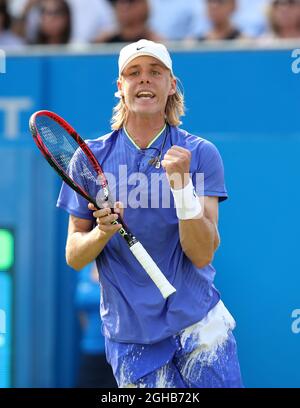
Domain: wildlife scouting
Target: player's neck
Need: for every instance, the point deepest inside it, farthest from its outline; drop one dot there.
(143, 131)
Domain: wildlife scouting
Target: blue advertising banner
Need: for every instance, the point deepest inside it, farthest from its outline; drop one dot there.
(247, 103)
(6, 304)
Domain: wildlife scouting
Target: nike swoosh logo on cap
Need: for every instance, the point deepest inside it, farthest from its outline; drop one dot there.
(140, 48)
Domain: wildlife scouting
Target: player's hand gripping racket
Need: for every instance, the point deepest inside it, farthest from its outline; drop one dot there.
(74, 161)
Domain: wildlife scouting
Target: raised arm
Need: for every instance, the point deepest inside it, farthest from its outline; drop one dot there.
(198, 231)
(199, 237)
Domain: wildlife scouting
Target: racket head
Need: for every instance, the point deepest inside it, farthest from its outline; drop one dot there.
(61, 146)
(73, 160)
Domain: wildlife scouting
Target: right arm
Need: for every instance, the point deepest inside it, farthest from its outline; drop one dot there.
(85, 243)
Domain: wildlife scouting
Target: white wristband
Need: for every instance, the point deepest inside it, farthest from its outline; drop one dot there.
(187, 202)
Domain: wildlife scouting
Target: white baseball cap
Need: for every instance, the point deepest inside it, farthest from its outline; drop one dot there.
(144, 47)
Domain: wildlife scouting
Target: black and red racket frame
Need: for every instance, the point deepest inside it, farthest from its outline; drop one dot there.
(129, 237)
(51, 160)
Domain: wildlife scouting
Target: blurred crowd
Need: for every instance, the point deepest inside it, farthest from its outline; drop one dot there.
(24, 22)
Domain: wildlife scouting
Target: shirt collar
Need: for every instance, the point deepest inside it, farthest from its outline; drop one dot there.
(152, 142)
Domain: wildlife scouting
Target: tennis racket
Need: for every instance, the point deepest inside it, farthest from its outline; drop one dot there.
(76, 164)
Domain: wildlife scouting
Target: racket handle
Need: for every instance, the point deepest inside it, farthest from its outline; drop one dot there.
(152, 269)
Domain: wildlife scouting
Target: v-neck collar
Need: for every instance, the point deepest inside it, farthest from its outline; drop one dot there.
(129, 139)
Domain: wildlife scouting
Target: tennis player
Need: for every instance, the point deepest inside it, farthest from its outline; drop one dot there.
(185, 340)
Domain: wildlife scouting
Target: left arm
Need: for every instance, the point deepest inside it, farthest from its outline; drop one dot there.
(199, 235)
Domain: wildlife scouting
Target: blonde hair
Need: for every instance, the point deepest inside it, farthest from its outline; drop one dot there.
(174, 110)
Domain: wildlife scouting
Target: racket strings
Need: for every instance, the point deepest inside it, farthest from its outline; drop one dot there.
(66, 152)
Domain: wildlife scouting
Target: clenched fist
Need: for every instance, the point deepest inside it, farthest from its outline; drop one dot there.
(176, 163)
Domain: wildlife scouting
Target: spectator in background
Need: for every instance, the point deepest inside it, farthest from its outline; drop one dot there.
(284, 18)
(7, 38)
(55, 23)
(94, 371)
(26, 18)
(132, 17)
(175, 20)
(220, 13)
(251, 17)
(90, 19)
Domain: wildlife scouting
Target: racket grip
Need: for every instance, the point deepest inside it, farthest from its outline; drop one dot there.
(166, 289)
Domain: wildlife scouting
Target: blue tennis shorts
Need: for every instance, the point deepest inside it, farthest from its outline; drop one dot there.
(190, 366)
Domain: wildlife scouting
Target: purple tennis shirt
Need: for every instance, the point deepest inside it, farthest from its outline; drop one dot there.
(132, 308)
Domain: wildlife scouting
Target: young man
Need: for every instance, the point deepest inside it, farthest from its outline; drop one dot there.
(185, 340)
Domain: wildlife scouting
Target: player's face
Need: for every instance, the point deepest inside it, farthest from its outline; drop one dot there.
(146, 85)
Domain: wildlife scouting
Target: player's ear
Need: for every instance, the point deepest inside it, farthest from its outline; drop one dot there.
(173, 86)
(120, 87)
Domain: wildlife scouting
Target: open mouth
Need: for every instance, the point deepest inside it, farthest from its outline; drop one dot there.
(145, 95)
